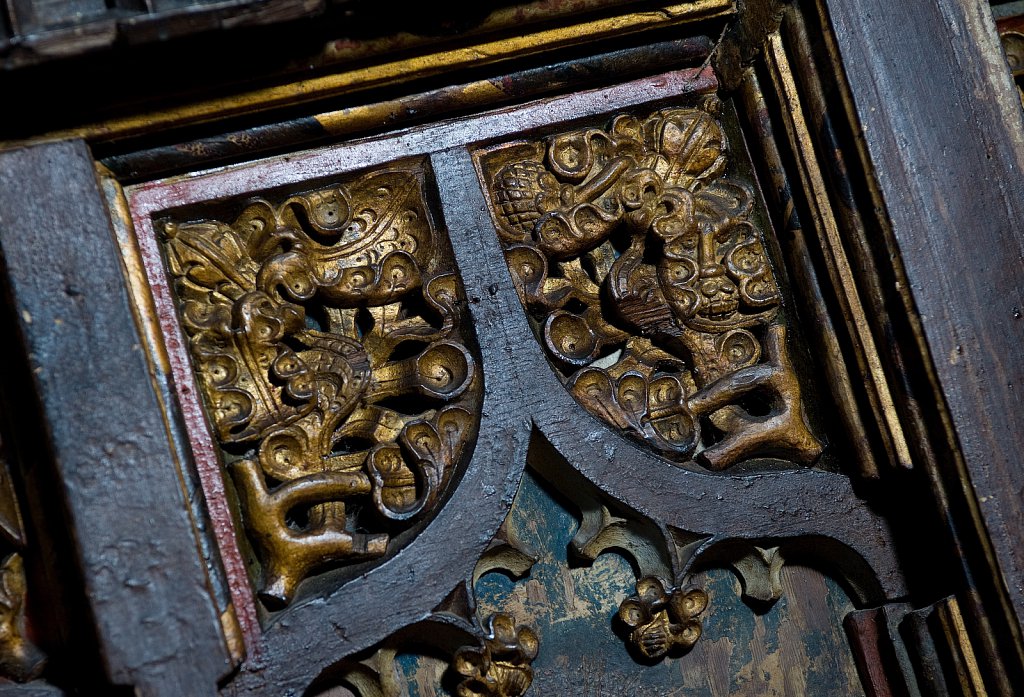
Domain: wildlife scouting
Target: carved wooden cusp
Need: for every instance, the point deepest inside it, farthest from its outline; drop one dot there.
(636, 254)
(329, 338)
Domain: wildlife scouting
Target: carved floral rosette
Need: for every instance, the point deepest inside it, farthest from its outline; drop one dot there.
(636, 255)
(330, 340)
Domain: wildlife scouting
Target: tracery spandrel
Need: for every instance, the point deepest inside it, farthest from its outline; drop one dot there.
(635, 253)
(329, 336)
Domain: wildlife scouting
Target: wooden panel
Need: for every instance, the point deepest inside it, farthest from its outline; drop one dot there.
(148, 591)
(948, 153)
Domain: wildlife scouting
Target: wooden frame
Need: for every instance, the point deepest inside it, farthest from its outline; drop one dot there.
(949, 365)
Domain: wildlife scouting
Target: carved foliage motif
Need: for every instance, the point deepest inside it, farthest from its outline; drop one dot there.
(500, 667)
(662, 619)
(331, 350)
(635, 253)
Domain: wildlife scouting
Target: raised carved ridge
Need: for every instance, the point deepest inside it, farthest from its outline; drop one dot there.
(329, 337)
(635, 252)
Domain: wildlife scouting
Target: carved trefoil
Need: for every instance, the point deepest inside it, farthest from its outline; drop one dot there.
(328, 333)
(638, 258)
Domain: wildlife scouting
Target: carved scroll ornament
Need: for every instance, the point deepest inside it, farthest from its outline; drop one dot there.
(329, 340)
(637, 256)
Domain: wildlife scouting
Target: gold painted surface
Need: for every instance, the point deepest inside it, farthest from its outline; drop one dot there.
(519, 15)
(20, 659)
(402, 70)
(960, 641)
(142, 304)
(636, 254)
(327, 332)
(147, 320)
(353, 119)
(903, 290)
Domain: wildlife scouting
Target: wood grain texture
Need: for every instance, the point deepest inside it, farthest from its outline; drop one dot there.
(364, 119)
(874, 653)
(948, 155)
(144, 578)
(796, 647)
(31, 690)
(48, 30)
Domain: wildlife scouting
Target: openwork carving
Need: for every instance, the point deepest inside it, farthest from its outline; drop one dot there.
(662, 619)
(636, 254)
(500, 667)
(328, 335)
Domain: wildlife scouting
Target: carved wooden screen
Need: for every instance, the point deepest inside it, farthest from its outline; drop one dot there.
(611, 390)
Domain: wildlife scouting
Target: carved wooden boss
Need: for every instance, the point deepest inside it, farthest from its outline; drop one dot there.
(371, 345)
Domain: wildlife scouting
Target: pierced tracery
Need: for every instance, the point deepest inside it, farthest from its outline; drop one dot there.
(634, 250)
(328, 334)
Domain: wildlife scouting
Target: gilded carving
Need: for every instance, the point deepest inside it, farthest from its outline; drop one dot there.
(328, 335)
(636, 253)
(662, 619)
(20, 659)
(500, 667)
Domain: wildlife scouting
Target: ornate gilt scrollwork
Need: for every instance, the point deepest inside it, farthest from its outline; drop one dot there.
(637, 255)
(328, 335)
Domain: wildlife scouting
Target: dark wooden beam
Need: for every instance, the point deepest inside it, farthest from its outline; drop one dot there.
(942, 126)
(144, 578)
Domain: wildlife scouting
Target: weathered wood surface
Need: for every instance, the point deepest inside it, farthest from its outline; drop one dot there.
(795, 647)
(943, 127)
(31, 690)
(42, 30)
(148, 591)
(366, 119)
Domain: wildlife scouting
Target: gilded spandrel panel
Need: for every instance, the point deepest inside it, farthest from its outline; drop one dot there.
(327, 331)
(639, 256)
